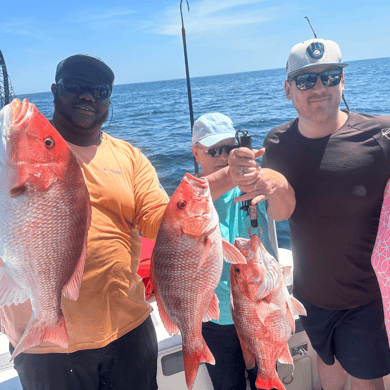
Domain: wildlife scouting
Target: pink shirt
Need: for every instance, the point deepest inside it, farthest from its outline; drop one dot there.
(381, 256)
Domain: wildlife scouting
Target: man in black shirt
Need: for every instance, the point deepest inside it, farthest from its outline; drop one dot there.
(337, 162)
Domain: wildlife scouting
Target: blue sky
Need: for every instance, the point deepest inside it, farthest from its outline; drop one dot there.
(141, 39)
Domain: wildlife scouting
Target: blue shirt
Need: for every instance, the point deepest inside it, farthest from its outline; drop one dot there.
(235, 223)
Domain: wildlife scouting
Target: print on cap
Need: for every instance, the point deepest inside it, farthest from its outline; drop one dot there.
(316, 50)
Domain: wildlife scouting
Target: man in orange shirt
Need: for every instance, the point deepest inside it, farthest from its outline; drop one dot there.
(112, 340)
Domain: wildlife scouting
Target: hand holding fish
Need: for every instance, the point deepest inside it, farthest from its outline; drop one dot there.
(261, 184)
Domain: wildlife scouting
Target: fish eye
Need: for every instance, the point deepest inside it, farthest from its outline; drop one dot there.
(237, 270)
(49, 142)
(181, 204)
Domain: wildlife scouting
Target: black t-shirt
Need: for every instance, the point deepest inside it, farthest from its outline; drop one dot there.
(339, 181)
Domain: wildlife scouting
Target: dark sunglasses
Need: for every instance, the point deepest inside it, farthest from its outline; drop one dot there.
(306, 81)
(216, 152)
(98, 91)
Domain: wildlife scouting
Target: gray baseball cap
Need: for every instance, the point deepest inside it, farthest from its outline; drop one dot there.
(212, 128)
(311, 53)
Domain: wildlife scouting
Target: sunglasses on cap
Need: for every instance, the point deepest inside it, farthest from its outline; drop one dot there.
(306, 81)
(216, 152)
(98, 91)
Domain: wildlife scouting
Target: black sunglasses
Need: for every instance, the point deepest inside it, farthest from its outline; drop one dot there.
(306, 81)
(98, 91)
(216, 152)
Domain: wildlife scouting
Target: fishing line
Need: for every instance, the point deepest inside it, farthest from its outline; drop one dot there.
(315, 36)
(183, 33)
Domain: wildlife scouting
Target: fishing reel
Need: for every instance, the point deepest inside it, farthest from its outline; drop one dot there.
(245, 141)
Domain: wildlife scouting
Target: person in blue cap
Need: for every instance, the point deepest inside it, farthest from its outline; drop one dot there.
(212, 140)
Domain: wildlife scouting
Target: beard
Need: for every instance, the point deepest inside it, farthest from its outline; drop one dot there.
(78, 123)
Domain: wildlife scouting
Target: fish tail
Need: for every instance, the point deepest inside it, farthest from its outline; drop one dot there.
(38, 331)
(192, 360)
(268, 384)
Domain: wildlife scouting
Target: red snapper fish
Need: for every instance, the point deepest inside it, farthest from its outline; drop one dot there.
(262, 311)
(44, 219)
(186, 267)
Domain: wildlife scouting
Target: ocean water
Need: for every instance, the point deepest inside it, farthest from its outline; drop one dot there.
(154, 116)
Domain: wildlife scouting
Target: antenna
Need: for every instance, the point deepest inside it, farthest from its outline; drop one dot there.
(315, 36)
(308, 21)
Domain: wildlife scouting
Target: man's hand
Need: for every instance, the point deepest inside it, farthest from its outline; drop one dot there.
(261, 184)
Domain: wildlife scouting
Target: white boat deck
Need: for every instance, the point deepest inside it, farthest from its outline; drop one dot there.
(9, 379)
(170, 367)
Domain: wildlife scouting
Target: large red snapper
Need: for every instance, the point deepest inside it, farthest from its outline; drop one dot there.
(44, 219)
(262, 311)
(186, 267)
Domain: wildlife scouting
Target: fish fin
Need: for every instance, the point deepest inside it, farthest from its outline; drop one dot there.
(248, 356)
(213, 310)
(205, 254)
(290, 317)
(287, 275)
(268, 384)
(10, 291)
(169, 325)
(39, 331)
(264, 309)
(192, 359)
(285, 356)
(297, 307)
(72, 287)
(231, 254)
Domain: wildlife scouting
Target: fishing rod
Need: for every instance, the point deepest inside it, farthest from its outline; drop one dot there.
(6, 93)
(245, 141)
(315, 36)
(183, 33)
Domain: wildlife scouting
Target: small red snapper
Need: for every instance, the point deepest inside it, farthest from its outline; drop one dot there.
(262, 311)
(186, 267)
(45, 215)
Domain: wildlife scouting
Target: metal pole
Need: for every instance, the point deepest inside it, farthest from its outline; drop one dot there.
(7, 95)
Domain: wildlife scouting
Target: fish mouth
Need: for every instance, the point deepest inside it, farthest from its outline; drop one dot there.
(8, 115)
(18, 111)
(199, 184)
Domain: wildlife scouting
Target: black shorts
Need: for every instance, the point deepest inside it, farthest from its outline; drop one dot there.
(356, 337)
(228, 373)
(127, 363)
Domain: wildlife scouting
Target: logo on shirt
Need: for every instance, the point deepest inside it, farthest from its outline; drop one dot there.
(359, 191)
(386, 132)
(112, 171)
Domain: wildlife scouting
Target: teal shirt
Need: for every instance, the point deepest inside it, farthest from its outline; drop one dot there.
(235, 223)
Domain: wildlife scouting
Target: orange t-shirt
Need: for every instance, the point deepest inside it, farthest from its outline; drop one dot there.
(126, 197)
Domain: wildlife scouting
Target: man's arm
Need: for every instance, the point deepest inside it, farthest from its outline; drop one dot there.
(261, 183)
